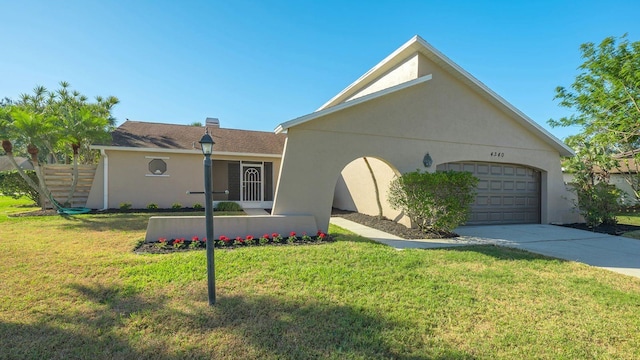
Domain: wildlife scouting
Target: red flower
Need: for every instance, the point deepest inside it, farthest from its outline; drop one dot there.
(266, 236)
(178, 241)
(293, 233)
(322, 235)
(249, 237)
(224, 238)
(162, 240)
(195, 238)
(275, 235)
(239, 239)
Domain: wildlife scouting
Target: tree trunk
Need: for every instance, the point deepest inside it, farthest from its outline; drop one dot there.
(42, 188)
(375, 186)
(74, 183)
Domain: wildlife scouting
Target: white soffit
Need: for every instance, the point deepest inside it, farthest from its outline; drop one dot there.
(417, 44)
(179, 151)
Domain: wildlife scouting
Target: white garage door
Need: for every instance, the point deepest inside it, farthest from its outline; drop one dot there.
(507, 193)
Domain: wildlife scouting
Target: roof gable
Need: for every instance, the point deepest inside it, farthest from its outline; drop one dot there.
(403, 66)
(146, 135)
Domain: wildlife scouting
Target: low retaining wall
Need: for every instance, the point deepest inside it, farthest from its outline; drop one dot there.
(172, 227)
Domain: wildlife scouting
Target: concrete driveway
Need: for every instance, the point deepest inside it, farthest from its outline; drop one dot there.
(614, 253)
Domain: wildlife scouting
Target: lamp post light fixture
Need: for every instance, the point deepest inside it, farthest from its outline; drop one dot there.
(206, 142)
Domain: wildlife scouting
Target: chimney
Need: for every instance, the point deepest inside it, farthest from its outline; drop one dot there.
(212, 122)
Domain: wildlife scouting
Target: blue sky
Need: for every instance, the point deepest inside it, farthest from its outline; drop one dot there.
(256, 64)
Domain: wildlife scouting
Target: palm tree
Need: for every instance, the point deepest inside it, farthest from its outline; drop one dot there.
(51, 120)
(80, 126)
(32, 127)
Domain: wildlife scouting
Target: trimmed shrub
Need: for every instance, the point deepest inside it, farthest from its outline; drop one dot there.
(598, 203)
(125, 206)
(439, 201)
(152, 206)
(228, 206)
(176, 206)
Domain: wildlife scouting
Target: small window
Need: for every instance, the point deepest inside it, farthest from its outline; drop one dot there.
(157, 167)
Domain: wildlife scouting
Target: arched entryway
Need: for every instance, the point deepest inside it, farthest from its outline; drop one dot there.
(363, 187)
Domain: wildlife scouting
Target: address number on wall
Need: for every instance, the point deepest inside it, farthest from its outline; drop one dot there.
(497, 154)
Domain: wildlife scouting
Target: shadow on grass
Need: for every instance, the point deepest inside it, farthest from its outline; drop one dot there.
(118, 221)
(501, 252)
(353, 238)
(129, 326)
(122, 222)
(74, 336)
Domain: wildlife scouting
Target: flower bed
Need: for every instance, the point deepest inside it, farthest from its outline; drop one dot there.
(164, 245)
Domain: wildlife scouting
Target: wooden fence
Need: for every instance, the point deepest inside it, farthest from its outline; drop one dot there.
(59, 179)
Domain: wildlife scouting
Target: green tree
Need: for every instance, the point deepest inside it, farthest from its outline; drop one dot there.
(56, 126)
(12, 184)
(605, 99)
(598, 202)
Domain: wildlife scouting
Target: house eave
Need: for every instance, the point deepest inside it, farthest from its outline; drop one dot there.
(182, 151)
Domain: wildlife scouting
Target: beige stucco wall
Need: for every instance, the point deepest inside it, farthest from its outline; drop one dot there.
(355, 189)
(96, 195)
(442, 116)
(405, 71)
(129, 179)
(172, 227)
(628, 198)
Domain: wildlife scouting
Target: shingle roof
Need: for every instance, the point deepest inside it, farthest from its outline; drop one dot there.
(137, 134)
(6, 165)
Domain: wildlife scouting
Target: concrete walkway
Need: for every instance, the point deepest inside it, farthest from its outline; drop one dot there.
(255, 211)
(614, 253)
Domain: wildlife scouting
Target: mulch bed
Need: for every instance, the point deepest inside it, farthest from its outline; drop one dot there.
(152, 248)
(617, 229)
(390, 226)
(402, 231)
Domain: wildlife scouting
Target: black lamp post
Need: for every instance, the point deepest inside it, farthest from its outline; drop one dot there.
(207, 148)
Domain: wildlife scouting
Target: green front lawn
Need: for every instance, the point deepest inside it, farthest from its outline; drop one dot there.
(73, 288)
(631, 218)
(9, 205)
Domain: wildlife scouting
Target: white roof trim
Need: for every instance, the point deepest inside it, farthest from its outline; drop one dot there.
(417, 44)
(530, 122)
(371, 72)
(182, 151)
(291, 123)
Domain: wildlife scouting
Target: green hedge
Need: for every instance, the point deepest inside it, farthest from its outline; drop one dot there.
(12, 184)
(439, 201)
(228, 206)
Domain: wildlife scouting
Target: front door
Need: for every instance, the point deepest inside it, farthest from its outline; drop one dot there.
(252, 184)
